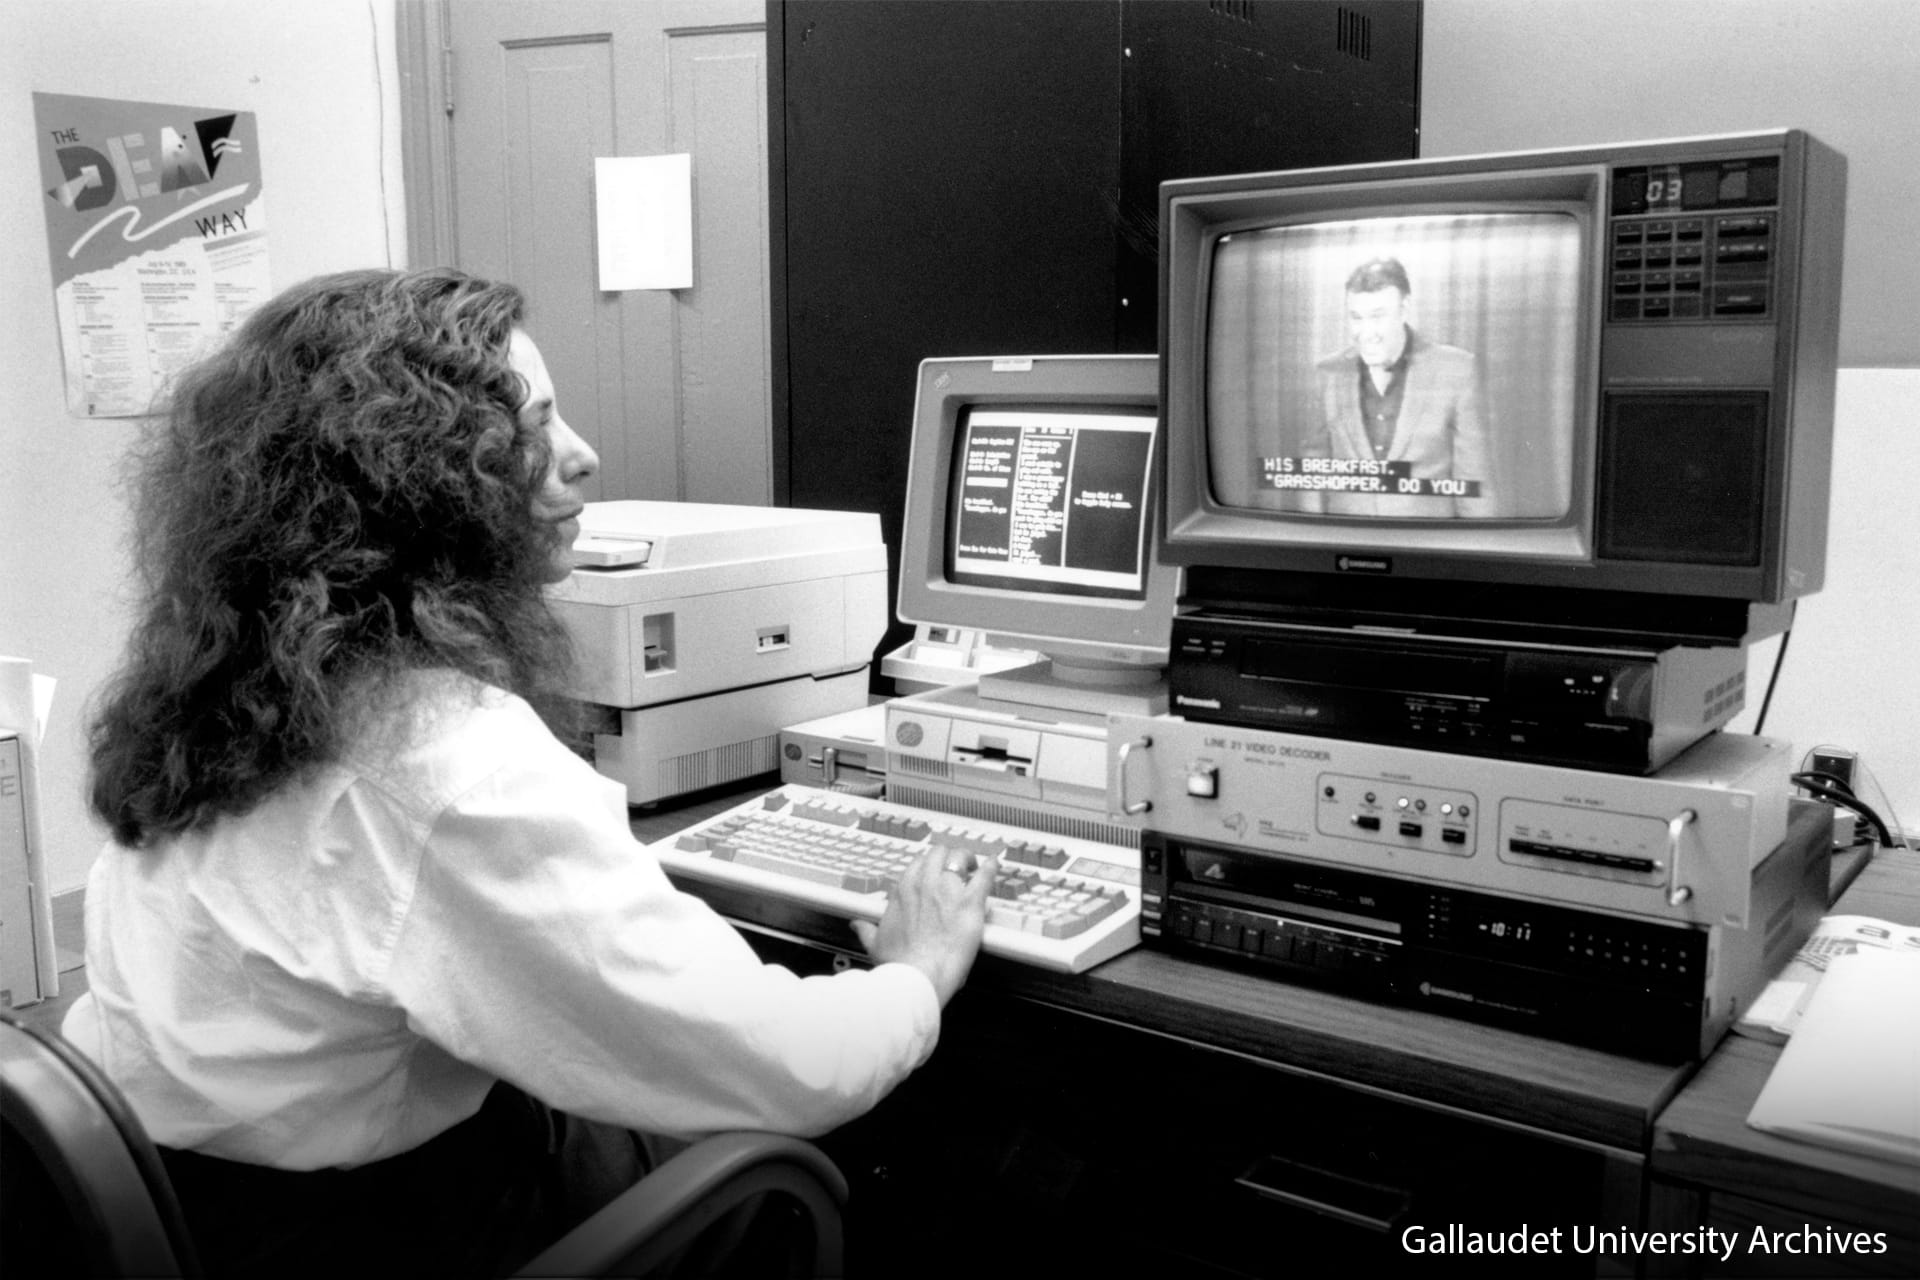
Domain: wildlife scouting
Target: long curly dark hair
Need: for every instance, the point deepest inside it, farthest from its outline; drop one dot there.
(341, 494)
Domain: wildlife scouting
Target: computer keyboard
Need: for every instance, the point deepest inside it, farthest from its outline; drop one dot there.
(1058, 902)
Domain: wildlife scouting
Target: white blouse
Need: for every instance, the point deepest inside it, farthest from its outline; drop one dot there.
(342, 972)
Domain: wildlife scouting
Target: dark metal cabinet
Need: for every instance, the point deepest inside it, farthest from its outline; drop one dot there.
(969, 177)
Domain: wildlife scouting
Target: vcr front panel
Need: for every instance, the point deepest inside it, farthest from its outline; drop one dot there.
(1626, 985)
(1622, 710)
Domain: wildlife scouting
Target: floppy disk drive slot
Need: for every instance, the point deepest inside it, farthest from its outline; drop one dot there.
(995, 756)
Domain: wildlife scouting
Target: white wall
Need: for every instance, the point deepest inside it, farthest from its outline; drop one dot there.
(1849, 678)
(1505, 74)
(320, 76)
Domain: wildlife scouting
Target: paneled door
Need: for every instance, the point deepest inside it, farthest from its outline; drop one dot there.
(672, 388)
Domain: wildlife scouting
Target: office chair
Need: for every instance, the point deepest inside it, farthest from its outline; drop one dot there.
(83, 1191)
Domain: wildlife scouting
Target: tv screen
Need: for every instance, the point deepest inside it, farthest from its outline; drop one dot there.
(1047, 499)
(1420, 367)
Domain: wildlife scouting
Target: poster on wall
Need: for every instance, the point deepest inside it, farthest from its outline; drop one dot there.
(157, 232)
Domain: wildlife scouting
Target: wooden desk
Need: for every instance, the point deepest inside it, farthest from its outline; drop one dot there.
(1163, 1115)
(1709, 1168)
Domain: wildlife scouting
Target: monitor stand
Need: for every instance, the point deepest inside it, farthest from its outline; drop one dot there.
(1093, 688)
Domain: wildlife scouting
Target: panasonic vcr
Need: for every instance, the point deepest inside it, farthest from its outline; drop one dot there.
(1624, 710)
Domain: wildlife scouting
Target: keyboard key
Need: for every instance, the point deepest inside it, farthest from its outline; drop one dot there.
(1006, 916)
(814, 872)
(829, 815)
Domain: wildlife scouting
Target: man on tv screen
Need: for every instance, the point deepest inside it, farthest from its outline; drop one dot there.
(1402, 407)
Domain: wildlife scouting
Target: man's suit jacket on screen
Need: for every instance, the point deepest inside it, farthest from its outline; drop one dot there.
(1442, 430)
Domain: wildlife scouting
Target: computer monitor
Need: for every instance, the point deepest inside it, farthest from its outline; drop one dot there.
(1031, 503)
(1602, 373)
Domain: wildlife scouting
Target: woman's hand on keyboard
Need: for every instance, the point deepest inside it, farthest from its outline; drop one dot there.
(934, 918)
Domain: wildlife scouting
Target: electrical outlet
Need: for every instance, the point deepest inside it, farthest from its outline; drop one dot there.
(1849, 828)
(1833, 760)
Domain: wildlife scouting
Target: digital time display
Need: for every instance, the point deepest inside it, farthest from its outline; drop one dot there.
(1508, 930)
(1485, 926)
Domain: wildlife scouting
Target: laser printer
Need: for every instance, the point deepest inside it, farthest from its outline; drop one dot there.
(701, 630)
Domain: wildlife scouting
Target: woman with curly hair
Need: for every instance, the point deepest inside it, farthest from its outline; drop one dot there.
(372, 952)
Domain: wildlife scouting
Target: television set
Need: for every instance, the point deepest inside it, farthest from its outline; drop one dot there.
(1031, 517)
(1583, 385)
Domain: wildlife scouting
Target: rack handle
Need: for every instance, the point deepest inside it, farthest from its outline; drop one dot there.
(1137, 807)
(1679, 894)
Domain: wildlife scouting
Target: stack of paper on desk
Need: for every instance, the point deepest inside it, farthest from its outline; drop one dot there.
(1776, 1012)
(1850, 1076)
